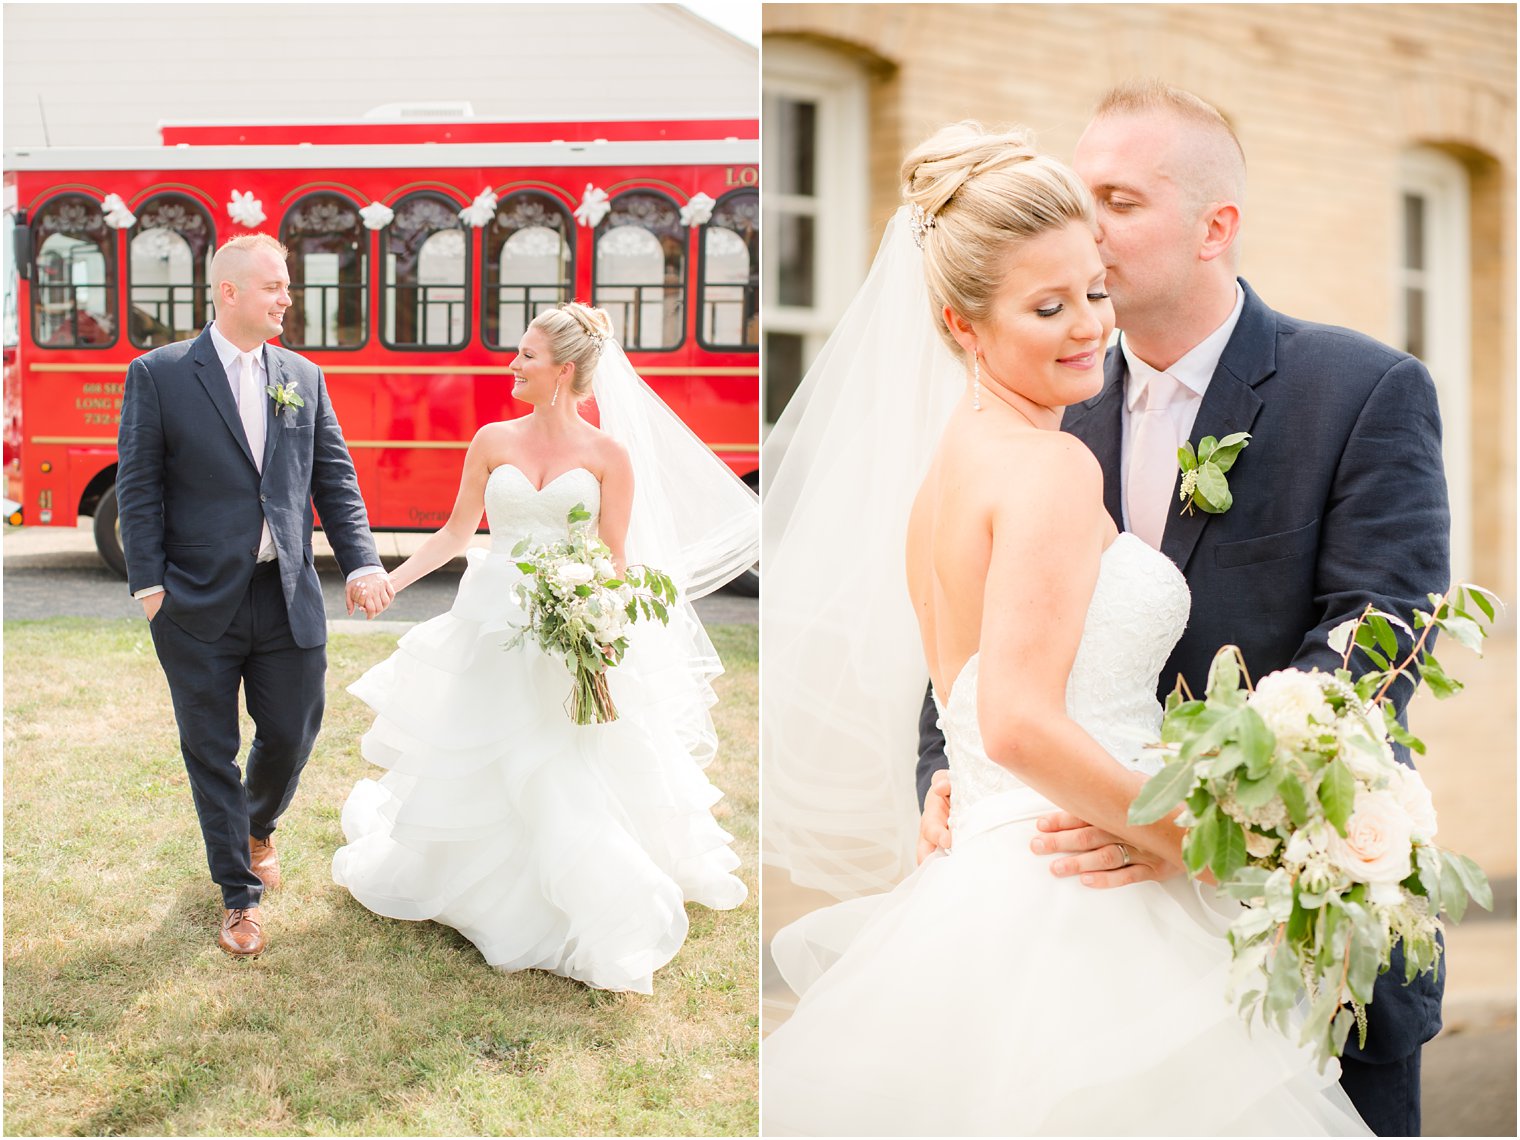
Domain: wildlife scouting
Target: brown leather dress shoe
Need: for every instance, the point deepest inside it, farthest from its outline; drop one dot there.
(266, 864)
(242, 933)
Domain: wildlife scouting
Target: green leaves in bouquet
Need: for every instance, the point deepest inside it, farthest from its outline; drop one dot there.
(577, 514)
(1337, 793)
(655, 592)
(1203, 481)
(1463, 613)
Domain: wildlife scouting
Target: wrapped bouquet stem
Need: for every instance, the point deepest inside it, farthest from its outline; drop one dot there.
(579, 609)
(1293, 799)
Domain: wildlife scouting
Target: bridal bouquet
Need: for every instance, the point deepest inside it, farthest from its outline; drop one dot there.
(1296, 804)
(579, 609)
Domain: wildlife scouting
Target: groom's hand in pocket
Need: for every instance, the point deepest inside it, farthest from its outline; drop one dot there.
(152, 604)
(934, 824)
(1097, 856)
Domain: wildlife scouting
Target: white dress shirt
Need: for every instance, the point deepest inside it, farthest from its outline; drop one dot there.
(1192, 372)
(227, 353)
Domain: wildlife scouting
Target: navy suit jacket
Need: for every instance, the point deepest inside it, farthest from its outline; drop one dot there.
(1339, 500)
(192, 504)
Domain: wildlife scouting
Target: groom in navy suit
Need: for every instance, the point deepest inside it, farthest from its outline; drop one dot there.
(1339, 498)
(225, 441)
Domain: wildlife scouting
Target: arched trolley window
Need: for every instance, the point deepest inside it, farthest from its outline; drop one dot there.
(73, 275)
(168, 271)
(728, 288)
(529, 264)
(424, 300)
(640, 271)
(328, 261)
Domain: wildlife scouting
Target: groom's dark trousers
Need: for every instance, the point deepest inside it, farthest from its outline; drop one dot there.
(1339, 500)
(192, 508)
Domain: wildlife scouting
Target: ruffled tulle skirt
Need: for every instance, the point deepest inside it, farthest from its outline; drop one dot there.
(549, 845)
(984, 996)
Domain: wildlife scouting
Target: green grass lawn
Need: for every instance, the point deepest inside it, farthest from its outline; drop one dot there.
(122, 1016)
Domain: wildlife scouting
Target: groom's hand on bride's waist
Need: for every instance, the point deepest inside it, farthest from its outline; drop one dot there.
(934, 824)
(1098, 857)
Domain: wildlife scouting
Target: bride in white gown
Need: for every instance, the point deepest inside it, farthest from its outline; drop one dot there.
(551, 845)
(983, 995)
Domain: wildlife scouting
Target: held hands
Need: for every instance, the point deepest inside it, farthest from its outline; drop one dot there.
(1102, 859)
(934, 825)
(371, 593)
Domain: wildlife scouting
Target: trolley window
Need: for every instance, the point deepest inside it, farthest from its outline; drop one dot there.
(73, 275)
(529, 265)
(168, 271)
(424, 300)
(328, 272)
(728, 290)
(640, 271)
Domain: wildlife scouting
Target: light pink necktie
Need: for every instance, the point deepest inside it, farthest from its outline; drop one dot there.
(251, 412)
(251, 407)
(1153, 461)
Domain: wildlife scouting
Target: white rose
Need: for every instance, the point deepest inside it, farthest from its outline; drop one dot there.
(575, 573)
(1288, 701)
(1258, 845)
(603, 568)
(1414, 797)
(1376, 847)
(1308, 841)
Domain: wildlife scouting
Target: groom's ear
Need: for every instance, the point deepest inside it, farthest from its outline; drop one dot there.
(1221, 226)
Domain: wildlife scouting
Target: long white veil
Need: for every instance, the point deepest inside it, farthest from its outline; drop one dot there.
(692, 516)
(844, 674)
(693, 519)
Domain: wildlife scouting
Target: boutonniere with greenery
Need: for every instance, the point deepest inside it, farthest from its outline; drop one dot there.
(1203, 483)
(284, 396)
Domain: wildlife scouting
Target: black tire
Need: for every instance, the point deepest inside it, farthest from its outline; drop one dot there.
(746, 585)
(108, 533)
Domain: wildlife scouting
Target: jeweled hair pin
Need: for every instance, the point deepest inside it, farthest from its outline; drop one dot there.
(920, 222)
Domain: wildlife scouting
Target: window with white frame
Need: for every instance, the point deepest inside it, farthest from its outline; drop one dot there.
(815, 197)
(1435, 315)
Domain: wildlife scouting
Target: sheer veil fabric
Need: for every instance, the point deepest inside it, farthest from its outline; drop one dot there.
(692, 518)
(844, 673)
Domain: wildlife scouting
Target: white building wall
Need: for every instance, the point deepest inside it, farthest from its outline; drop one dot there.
(107, 74)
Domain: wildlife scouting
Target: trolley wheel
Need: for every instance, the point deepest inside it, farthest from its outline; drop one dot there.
(747, 585)
(108, 533)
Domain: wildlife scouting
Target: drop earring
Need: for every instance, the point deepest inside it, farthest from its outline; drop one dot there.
(976, 382)
(554, 398)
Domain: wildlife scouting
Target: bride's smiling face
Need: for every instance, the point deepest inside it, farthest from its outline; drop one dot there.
(534, 373)
(1045, 334)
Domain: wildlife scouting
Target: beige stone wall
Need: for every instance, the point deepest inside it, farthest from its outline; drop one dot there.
(1326, 99)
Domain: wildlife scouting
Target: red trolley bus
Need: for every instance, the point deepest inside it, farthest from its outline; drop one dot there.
(418, 253)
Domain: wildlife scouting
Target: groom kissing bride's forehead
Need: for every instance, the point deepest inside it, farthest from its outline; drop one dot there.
(1338, 501)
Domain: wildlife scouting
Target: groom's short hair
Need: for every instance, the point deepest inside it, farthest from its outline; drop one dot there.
(230, 256)
(1218, 161)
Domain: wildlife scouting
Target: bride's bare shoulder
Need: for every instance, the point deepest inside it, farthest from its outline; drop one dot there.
(1051, 472)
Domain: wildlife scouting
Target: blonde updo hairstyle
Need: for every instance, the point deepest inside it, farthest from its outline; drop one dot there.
(986, 191)
(576, 333)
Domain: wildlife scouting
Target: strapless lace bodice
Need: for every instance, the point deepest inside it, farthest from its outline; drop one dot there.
(516, 509)
(1139, 609)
